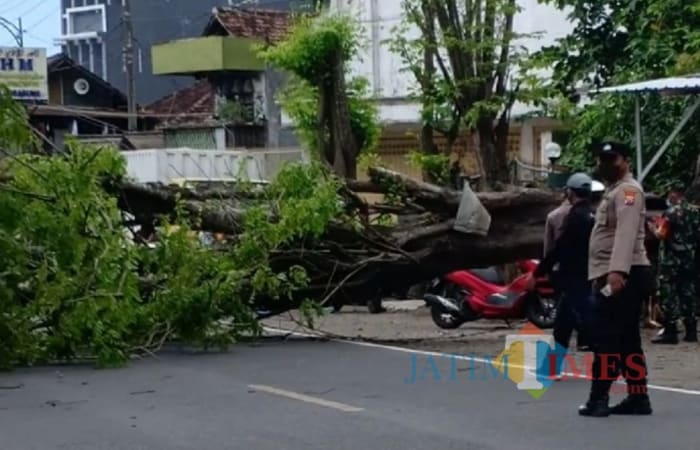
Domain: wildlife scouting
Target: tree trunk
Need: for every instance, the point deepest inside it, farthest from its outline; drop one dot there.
(493, 152)
(346, 146)
(323, 135)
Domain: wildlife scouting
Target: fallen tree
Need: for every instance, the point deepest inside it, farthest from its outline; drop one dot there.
(74, 285)
(370, 260)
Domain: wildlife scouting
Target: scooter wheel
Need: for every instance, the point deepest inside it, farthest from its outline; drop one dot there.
(445, 320)
(541, 311)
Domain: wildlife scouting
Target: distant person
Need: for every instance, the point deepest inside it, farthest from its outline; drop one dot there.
(677, 230)
(570, 253)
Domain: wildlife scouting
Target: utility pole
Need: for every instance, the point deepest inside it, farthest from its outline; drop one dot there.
(16, 31)
(129, 64)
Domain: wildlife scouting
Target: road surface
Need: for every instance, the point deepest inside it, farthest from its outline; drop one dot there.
(306, 395)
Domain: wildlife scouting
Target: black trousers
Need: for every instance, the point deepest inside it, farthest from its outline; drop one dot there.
(615, 333)
(573, 313)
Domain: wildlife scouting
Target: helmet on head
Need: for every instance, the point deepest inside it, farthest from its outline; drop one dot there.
(597, 190)
(580, 183)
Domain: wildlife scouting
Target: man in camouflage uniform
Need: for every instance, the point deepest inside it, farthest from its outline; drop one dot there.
(678, 231)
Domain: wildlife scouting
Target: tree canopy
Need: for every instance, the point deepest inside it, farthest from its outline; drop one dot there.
(470, 67)
(615, 42)
(333, 116)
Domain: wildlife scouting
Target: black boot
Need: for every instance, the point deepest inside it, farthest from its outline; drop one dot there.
(669, 335)
(596, 406)
(633, 404)
(691, 330)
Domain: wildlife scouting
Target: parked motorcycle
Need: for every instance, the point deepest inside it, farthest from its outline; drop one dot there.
(467, 295)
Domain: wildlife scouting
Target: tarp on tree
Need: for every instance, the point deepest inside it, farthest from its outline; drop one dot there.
(472, 217)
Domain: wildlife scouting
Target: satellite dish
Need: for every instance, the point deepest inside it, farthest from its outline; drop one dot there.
(81, 86)
(552, 150)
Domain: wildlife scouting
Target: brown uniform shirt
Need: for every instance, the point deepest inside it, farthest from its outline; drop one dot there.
(617, 240)
(553, 225)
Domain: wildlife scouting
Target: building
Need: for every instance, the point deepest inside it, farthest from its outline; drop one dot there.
(81, 104)
(233, 102)
(93, 35)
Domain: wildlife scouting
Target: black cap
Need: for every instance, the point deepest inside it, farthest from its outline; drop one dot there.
(612, 147)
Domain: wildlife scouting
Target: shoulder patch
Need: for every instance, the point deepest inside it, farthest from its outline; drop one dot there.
(630, 196)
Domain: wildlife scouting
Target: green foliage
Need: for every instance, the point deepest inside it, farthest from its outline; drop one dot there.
(14, 135)
(614, 116)
(310, 54)
(369, 159)
(235, 112)
(69, 273)
(300, 101)
(616, 42)
(364, 116)
(437, 167)
(620, 41)
(73, 285)
(314, 46)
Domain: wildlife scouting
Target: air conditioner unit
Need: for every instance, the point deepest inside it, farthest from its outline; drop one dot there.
(81, 86)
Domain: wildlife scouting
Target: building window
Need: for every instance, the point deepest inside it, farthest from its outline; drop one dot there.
(86, 20)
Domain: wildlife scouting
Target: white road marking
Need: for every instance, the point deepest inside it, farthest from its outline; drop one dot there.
(462, 358)
(305, 398)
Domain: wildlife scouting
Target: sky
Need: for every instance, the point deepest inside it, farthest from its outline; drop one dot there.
(41, 20)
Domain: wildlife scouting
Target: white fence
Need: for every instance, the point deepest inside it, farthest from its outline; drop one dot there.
(523, 173)
(171, 165)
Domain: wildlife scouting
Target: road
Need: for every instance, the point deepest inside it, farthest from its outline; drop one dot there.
(304, 395)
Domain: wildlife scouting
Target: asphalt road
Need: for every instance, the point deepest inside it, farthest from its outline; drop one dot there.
(300, 395)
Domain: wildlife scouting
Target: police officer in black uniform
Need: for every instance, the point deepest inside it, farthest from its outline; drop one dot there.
(570, 252)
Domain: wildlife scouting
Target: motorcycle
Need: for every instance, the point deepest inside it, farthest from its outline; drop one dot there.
(468, 295)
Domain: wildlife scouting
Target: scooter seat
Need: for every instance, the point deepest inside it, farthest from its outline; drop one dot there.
(489, 274)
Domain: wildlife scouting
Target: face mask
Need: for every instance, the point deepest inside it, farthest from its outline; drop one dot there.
(609, 171)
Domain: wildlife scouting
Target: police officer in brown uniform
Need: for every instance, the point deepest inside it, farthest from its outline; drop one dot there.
(621, 274)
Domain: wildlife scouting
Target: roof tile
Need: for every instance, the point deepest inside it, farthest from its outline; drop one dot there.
(193, 104)
(270, 25)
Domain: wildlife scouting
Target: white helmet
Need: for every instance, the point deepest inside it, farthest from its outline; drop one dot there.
(597, 187)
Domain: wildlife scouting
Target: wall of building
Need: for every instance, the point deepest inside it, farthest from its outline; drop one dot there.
(196, 138)
(62, 85)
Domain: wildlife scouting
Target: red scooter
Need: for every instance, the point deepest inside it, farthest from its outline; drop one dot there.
(467, 295)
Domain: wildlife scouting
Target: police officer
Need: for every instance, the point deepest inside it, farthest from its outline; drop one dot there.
(620, 271)
(677, 232)
(570, 252)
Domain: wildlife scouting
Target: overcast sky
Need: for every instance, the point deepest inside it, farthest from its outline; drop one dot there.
(41, 20)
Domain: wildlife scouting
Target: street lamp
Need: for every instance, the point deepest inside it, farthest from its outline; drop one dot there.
(15, 30)
(553, 152)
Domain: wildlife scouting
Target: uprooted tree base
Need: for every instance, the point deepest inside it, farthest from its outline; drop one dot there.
(371, 260)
